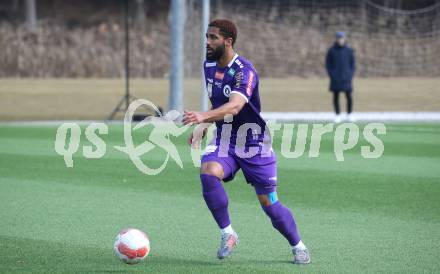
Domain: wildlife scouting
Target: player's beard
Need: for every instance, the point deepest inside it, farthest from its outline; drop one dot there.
(215, 54)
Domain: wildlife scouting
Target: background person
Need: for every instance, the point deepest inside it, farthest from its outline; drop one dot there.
(341, 66)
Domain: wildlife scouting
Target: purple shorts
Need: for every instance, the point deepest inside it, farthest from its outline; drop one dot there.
(260, 172)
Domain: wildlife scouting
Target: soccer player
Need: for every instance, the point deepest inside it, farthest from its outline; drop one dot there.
(232, 86)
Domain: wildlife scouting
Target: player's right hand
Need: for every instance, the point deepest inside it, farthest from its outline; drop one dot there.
(197, 136)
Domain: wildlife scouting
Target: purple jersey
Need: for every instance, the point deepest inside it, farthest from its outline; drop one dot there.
(239, 77)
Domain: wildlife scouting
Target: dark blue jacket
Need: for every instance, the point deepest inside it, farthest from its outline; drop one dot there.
(341, 65)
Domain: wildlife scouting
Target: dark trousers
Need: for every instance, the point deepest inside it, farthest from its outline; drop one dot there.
(336, 101)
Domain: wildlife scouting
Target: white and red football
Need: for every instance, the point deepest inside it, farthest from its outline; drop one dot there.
(131, 246)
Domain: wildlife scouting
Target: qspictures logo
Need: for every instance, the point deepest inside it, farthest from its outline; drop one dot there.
(345, 136)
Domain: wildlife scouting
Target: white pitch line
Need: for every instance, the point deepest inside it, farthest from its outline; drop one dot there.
(358, 116)
(280, 117)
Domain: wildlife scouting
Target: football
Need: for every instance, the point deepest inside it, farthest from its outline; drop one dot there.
(131, 246)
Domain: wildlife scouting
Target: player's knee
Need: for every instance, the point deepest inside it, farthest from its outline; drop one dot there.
(212, 168)
(268, 199)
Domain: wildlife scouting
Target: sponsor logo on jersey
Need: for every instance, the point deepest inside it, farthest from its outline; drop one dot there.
(231, 72)
(218, 84)
(249, 84)
(219, 75)
(239, 63)
(212, 64)
(238, 79)
(209, 89)
(227, 90)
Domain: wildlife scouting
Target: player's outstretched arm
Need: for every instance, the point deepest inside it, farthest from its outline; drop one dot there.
(233, 107)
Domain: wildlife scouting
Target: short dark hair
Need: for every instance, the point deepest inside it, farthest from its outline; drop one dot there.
(226, 27)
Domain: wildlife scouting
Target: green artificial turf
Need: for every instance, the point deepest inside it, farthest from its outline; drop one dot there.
(360, 215)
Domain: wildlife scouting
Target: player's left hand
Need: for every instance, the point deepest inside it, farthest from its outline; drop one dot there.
(193, 117)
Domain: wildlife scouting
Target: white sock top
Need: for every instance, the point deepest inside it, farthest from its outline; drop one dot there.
(299, 245)
(227, 230)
